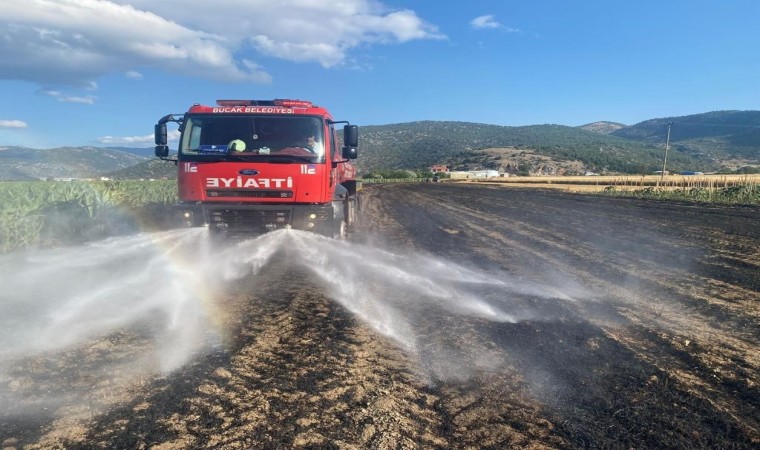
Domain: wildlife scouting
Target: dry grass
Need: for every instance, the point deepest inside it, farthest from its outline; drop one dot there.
(626, 183)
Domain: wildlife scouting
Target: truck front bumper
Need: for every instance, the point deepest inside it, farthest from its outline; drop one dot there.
(240, 218)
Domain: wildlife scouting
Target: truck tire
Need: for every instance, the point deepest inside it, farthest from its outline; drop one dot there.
(351, 213)
(341, 213)
(341, 231)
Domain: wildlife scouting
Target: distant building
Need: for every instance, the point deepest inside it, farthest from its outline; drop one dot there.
(484, 173)
(439, 168)
(458, 175)
(473, 174)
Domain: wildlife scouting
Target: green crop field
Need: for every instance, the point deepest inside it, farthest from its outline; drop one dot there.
(44, 213)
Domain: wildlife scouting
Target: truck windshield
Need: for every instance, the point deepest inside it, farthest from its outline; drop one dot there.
(254, 137)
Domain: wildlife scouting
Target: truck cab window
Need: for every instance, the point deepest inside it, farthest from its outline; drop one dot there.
(262, 135)
(195, 137)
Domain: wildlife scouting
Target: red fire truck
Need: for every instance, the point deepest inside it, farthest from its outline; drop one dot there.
(249, 166)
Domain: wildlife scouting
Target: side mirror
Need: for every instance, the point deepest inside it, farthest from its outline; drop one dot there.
(160, 134)
(162, 150)
(350, 141)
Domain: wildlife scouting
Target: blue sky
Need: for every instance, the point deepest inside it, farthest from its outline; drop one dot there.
(88, 72)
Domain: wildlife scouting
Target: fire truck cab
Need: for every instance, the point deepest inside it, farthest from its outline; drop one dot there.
(250, 166)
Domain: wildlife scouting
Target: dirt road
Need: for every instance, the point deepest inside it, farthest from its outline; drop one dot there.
(611, 323)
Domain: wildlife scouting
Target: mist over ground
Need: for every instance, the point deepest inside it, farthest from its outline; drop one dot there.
(164, 289)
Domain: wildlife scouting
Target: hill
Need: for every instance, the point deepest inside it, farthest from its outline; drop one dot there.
(602, 127)
(155, 169)
(145, 152)
(727, 139)
(465, 145)
(21, 163)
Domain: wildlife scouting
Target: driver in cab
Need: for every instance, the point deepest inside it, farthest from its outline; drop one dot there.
(304, 144)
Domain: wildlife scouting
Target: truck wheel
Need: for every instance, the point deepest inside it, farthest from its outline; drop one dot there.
(357, 212)
(350, 213)
(340, 233)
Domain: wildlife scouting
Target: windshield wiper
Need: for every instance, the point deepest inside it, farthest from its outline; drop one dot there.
(290, 158)
(206, 158)
(219, 157)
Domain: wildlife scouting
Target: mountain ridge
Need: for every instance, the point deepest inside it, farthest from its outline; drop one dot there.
(717, 140)
(24, 163)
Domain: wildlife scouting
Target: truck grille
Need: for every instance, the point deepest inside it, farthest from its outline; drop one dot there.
(248, 193)
(247, 219)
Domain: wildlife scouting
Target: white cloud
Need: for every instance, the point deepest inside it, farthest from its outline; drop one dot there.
(142, 141)
(489, 22)
(73, 42)
(133, 74)
(85, 100)
(300, 30)
(13, 124)
(486, 21)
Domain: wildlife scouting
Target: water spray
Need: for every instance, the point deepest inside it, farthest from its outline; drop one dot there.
(165, 287)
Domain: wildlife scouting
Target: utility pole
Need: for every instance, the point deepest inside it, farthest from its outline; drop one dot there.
(665, 159)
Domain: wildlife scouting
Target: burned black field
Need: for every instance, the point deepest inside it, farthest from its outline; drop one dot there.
(462, 317)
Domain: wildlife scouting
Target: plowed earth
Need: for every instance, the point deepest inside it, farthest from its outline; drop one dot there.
(641, 330)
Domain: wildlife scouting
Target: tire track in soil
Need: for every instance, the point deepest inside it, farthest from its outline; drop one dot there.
(457, 217)
(564, 251)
